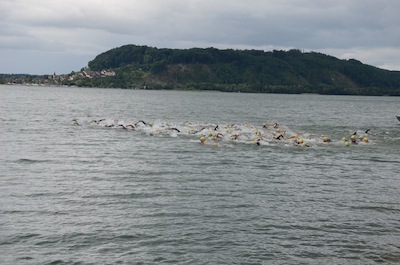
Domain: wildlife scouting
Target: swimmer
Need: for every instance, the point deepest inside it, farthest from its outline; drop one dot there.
(196, 132)
(202, 140)
(127, 127)
(326, 140)
(279, 137)
(141, 121)
(174, 129)
(234, 136)
(302, 143)
(367, 131)
(106, 122)
(156, 132)
(97, 121)
(111, 123)
(353, 139)
(266, 125)
(216, 128)
(75, 122)
(217, 136)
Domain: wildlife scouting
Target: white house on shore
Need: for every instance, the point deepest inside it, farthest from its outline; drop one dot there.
(107, 73)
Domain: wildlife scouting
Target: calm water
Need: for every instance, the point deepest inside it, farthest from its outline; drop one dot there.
(94, 195)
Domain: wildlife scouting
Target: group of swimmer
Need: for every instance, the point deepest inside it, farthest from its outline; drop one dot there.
(267, 134)
(354, 140)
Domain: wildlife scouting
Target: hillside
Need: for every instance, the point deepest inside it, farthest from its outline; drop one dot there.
(230, 70)
(243, 70)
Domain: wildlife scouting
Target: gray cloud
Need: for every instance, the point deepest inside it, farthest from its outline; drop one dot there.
(73, 31)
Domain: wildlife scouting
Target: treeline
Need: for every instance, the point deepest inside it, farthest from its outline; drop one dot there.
(275, 71)
(23, 79)
(231, 70)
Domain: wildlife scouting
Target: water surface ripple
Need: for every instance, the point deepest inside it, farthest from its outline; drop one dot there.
(95, 195)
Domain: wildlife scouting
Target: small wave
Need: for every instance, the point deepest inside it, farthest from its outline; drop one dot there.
(19, 239)
(384, 161)
(25, 258)
(380, 209)
(30, 161)
(50, 194)
(390, 257)
(59, 262)
(6, 120)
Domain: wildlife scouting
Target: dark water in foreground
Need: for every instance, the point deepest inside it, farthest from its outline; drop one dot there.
(94, 195)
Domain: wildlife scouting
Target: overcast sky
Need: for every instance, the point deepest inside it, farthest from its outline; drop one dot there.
(43, 36)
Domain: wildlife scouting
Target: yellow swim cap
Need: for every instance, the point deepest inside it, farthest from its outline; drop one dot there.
(326, 139)
(365, 140)
(344, 139)
(346, 143)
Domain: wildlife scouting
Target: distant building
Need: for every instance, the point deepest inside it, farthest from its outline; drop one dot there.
(107, 73)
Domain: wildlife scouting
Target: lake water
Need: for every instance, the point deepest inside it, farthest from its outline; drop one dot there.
(92, 194)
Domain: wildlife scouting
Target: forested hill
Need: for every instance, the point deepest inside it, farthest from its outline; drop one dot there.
(290, 71)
